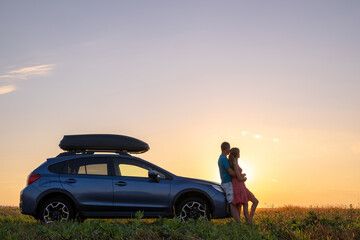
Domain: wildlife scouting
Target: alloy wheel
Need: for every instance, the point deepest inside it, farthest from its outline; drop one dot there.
(194, 210)
(56, 211)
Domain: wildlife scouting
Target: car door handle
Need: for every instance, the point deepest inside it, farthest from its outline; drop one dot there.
(71, 180)
(121, 183)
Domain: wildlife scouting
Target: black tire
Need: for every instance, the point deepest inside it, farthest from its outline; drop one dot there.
(79, 219)
(193, 208)
(56, 209)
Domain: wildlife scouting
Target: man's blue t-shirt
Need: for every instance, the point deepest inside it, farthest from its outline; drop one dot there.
(223, 165)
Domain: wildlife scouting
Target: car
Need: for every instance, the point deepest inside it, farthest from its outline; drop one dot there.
(96, 177)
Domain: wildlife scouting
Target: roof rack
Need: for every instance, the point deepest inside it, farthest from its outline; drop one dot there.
(80, 152)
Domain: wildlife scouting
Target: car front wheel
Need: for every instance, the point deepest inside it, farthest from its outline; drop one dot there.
(193, 208)
(56, 209)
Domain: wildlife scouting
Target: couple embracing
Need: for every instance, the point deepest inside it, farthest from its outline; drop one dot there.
(233, 183)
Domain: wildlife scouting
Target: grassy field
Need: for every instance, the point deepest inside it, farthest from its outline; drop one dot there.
(276, 223)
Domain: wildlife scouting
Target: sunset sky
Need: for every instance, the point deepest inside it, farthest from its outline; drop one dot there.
(278, 79)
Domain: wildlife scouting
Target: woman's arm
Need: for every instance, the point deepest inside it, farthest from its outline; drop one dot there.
(239, 176)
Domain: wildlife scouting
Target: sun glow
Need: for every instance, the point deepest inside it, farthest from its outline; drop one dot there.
(243, 163)
(246, 169)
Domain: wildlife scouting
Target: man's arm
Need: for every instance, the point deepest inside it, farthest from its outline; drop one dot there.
(239, 176)
(231, 172)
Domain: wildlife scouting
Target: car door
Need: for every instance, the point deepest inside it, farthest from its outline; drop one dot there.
(90, 182)
(135, 191)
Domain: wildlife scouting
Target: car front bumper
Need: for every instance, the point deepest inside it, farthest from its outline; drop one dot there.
(220, 209)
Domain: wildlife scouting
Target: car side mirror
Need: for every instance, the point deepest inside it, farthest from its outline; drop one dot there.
(154, 176)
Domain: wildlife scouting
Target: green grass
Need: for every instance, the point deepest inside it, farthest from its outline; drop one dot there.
(276, 223)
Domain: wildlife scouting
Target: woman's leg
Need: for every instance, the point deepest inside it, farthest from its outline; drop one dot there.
(239, 209)
(246, 212)
(255, 202)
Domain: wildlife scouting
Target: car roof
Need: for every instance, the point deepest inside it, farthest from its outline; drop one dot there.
(81, 156)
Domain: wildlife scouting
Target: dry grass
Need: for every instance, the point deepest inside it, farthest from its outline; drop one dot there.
(289, 222)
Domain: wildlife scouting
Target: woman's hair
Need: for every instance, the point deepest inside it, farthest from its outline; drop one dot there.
(234, 152)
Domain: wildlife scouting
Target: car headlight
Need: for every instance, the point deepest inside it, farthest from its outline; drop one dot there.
(218, 188)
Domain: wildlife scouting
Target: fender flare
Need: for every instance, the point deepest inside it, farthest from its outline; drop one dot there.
(56, 190)
(189, 190)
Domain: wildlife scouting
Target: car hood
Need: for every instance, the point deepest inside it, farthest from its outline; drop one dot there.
(194, 180)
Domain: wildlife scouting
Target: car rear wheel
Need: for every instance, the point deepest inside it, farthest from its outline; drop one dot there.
(56, 209)
(193, 208)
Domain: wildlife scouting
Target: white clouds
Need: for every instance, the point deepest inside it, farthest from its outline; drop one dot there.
(26, 72)
(5, 76)
(23, 74)
(257, 136)
(244, 133)
(7, 89)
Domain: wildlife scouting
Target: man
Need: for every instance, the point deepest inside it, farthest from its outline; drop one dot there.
(226, 174)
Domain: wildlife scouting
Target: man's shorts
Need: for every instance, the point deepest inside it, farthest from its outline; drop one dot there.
(228, 188)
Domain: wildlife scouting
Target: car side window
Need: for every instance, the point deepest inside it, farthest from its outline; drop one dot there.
(87, 166)
(129, 170)
(132, 168)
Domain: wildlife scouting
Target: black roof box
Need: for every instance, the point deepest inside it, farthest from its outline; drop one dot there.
(103, 142)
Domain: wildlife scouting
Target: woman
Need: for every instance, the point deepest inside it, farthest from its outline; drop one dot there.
(242, 195)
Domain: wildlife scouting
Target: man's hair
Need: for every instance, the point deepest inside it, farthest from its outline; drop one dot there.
(225, 145)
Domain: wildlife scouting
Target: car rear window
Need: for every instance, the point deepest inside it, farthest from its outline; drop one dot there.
(57, 167)
(87, 166)
(92, 169)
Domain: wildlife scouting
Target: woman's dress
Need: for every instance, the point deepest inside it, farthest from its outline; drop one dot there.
(241, 193)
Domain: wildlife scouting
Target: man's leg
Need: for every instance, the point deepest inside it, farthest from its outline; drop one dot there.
(228, 188)
(234, 212)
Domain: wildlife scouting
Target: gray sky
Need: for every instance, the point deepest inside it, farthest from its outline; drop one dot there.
(172, 69)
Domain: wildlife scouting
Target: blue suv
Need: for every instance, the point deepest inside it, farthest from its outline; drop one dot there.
(80, 184)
